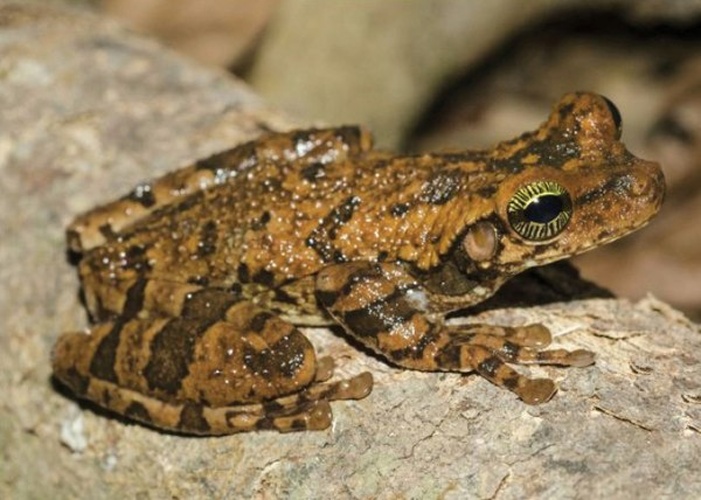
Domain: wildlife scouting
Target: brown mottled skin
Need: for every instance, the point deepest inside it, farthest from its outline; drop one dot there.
(196, 281)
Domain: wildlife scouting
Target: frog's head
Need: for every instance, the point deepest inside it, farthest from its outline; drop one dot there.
(569, 186)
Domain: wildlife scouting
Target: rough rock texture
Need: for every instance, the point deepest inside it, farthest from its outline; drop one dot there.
(86, 111)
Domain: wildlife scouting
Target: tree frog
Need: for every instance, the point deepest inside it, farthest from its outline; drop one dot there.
(197, 282)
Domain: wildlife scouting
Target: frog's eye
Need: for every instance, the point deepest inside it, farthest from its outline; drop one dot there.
(616, 116)
(540, 210)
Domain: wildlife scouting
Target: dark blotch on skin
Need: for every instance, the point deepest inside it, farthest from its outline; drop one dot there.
(326, 298)
(343, 212)
(321, 237)
(416, 351)
(198, 280)
(103, 361)
(487, 192)
(298, 424)
(137, 411)
(339, 257)
(449, 357)
(565, 111)
(282, 359)
(229, 160)
(257, 323)
(271, 185)
(207, 243)
(349, 135)
(107, 232)
(289, 354)
(510, 383)
(380, 316)
(302, 136)
(399, 209)
(135, 258)
(192, 419)
(212, 163)
(172, 350)
(313, 172)
(284, 297)
(209, 303)
(243, 273)
(265, 278)
(618, 184)
(509, 349)
(143, 195)
(188, 202)
(448, 279)
(272, 408)
(76, 381)
(441, 187)
(489, 366)
(135, 299)
(259, 224)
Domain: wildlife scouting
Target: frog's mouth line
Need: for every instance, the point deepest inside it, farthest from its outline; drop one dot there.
(590, 245)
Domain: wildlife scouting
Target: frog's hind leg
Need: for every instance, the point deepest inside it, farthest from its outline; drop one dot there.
(223, 366)
(308, 410)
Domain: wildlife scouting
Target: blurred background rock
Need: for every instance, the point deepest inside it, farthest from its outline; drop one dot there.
(450, 74)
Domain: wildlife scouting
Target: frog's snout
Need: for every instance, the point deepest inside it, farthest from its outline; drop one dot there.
(648, 184)
(657, 185)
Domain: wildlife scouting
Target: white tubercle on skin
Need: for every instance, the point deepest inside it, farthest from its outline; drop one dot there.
(417, 298)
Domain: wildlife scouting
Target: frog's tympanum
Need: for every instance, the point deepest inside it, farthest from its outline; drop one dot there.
(197, 281)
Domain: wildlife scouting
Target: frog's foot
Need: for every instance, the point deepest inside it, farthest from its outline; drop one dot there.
(522, 345)
(308, 410)
(477, 348)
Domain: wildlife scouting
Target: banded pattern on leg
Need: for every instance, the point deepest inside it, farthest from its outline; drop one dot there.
(386, 309)
(205, 375)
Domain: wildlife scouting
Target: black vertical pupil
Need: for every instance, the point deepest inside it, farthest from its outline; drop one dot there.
(544, 208)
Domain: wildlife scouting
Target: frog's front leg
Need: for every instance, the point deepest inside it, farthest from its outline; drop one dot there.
(389, 311)
(211, 371)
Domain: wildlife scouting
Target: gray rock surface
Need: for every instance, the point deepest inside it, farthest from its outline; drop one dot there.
(87, 110)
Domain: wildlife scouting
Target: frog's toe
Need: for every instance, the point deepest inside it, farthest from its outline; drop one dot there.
(536, 336)
(536, 391)
(315, 418)
(581, 358)
(353, 388)
(357, 387)
(324, 369)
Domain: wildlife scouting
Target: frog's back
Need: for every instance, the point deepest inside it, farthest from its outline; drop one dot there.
(282, 220)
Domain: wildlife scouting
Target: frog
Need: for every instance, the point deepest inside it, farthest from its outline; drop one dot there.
(199, 284)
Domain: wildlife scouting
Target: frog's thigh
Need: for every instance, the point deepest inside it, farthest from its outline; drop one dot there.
(200, 377)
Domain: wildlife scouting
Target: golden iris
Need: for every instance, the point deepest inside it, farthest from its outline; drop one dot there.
(540, 210)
